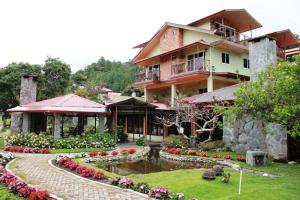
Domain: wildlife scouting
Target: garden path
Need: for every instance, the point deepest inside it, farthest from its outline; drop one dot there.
(39, 172)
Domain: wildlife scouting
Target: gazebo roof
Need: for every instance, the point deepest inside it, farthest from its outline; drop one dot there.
(131, 102)
(69, 103)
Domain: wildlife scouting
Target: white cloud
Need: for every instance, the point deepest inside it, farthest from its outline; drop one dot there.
(79, 32)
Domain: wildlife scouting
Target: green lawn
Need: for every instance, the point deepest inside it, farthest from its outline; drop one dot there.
(5, 194)
(189, 181)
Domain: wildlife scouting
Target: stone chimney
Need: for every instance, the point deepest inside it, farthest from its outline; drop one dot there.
(262, 53)
(28, 89)
(20, 122)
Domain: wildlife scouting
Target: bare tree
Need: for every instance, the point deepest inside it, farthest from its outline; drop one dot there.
(204, 116)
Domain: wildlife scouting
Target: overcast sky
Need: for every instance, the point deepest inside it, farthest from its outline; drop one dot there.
(80, 32)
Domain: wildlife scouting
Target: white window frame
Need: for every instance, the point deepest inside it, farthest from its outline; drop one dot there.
(187, 61)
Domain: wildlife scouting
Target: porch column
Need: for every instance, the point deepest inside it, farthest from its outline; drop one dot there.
(146, 95)
(166, 131)
(193, 127)
(210, 83)
(26, 123)
(126, 125)
(145, 126)
(101, 124)
(173, 94)
(57, 125)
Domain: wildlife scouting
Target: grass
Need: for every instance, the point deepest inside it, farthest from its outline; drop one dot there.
(189, 181)
(6, 194)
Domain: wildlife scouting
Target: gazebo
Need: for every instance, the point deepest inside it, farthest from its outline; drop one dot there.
(63, 116)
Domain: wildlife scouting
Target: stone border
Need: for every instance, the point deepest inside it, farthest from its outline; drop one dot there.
(7, 167)
(131, 157)
(185, 158)
(100, 183)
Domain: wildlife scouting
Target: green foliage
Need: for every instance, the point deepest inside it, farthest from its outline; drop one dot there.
(121, 135)
(44, 140)
(175, 141)
(225, 177)
(273, 97)
(142, 188)
(100, 164)
(140, 141)
(117, 75)
(130, 89)
(56, 78)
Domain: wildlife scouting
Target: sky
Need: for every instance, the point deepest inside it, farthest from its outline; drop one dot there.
(79, 32)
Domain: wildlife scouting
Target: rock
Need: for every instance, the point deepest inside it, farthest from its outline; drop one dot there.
(254, 158)
(248, 126)
(292, 162)
(243, 138)
(209, 175)
(218, 169)
(240, 148)
(253, 143)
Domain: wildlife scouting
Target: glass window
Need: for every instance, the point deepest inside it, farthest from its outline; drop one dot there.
(225, 58)
(246, 63)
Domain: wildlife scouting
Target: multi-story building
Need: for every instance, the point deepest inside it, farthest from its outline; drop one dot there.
(205, 55)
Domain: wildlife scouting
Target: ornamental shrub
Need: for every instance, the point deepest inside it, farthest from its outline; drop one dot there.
(140, 141)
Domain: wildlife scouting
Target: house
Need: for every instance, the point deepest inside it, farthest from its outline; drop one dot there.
(202, 56)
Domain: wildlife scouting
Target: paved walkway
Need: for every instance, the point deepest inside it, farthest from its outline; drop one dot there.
(38, 171)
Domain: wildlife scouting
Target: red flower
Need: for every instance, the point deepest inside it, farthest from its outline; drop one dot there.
(227, 157)
(114, 153)
(216, 156)
(98, 175)
(191, 152)
(204, 154)
(103, 153)
(92, 154)
(43, 151)
(241, 158)
(174, 151)
(73, 166)
(128, 151)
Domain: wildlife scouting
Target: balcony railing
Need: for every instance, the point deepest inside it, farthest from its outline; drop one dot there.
(149, 76)
(196, 65)
(228, 33)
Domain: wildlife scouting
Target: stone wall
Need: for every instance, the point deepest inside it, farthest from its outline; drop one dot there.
(251, 134)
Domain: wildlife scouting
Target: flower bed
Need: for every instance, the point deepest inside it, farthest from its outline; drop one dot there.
(157, 193)
(130, 154)
(26, 150)
(190, 152)
(19, 187)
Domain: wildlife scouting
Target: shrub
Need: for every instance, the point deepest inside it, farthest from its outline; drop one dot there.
(216, 156)
(140, 141)
(241, 158)
(208, 146)
(121, 135)
(226, 178)
(227, 157)
(125, 183)
(92, 154)
(175, 141)
(114, 153)
(191, 152)
(128, 151)
(98, 175)
(26, 150)
(174, 151)
(142, 188)
(204, 154)
(159, 193)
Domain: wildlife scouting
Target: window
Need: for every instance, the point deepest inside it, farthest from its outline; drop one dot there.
(195, 61)
(153, 72)
(225, 58)
(246, 63)
(202, 90)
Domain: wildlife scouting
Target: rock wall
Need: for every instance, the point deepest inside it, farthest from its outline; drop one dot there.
(250, 134)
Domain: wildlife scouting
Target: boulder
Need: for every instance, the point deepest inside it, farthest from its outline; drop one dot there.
(218, 169)
(209, 175)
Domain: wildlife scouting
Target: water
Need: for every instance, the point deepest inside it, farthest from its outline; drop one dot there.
(153, 163)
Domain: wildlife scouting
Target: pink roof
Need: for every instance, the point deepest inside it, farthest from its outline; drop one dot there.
(68, 103)
(160, 106)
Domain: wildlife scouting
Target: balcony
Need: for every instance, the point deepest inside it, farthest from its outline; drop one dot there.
(228, 33)
(198, 65)
(148, 76)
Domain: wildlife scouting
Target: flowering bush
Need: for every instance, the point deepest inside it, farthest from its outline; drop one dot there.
(128, 151)
(103, 153)
(21, 188)
(125, 183)
(241, 158)
(46, 140)
(92, 154)
(216, 156)
(98, 175)
(227, 156)
(114, 153)
(142, 188)
(26, 150)
(204, 154)
(191, 152)
(174, 151)
(159, 193)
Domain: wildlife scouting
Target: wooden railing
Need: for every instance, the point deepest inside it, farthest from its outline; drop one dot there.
(228, 33)
(200, 65)
(150, 76)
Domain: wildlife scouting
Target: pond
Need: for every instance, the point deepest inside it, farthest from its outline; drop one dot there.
(153, 163)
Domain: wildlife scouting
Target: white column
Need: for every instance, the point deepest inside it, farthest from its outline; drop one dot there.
(26, 123)
(101, 124)
(173, 94)
(57, 125)
(210, 83)
(145, 95)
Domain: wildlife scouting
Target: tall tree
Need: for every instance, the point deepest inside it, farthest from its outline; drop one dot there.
(56, 78)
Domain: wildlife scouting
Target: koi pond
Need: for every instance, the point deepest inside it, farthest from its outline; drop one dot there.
(153, 163)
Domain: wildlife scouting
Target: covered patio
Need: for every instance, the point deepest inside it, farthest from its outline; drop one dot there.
(63, 116)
